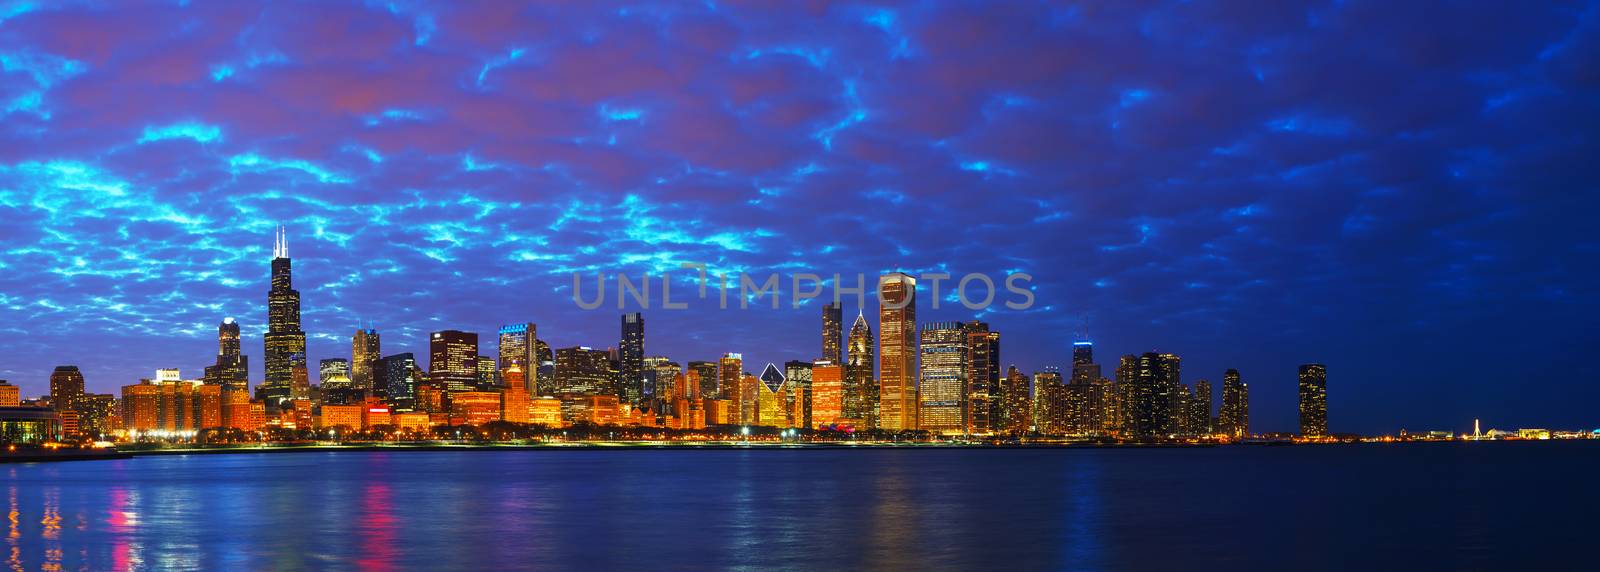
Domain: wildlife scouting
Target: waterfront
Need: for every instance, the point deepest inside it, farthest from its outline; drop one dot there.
(1417, 506)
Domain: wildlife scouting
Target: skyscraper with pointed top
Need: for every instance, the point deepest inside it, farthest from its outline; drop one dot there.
(860, 388)
(285, 354)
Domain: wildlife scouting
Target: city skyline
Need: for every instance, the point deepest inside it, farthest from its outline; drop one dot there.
(1237, 197)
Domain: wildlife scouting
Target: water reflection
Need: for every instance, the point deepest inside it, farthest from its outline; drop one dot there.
(811, 509)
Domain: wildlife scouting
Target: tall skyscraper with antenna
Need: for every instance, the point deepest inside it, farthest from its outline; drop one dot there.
(285, 354)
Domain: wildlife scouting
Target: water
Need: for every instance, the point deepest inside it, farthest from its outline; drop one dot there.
(1420, 506)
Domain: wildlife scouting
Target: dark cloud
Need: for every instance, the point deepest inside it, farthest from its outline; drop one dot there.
(1395, 190)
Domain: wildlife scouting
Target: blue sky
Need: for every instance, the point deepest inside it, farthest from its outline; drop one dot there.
(1398, 191)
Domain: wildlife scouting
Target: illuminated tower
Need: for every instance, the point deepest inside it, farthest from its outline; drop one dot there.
(1234, 417)
(860, 400)
(1200, 422)
(285, 354)
(1016, 402)
(1313, 400)
(832, 333)
(66, 388)
(730, 378)
(982, 405)
(1082, 353)
(799, 391)
(704, 373)
(519, 346)
(365, 351)
(897, 352)
(233, 367)
(631, 359)
(943, 377)
(453, 360)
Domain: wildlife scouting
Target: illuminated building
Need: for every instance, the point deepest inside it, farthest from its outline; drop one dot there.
(982, 406)
(453, 360)
(730, 380)
(860, 386)
(1154, 396)
(943, 377)
(488, 377)
(1092, 399)
(232, 367)
(1234, 417)
(1200, 422)
(285, 344)
(771, 410)
(519, 346)
(300, 415)
(29, 426)
(703, 376)
(798, 392)
(1050, 403)
(66, 387)
(374, 413)
(593, 409)
(545, 411)
(514, 398)
(582, 371)
(1313, 400)
(1082, 353)
(665, 379)
(432, 398)
(897, 352)
(1081, 404)
(396, 379)
(827, 397)
(340, 417)
(333, 373)
(95, 411)
(474, 407)
(1126, 386)
(630, 360)
(366, 349)
(141, 404)
(1016, 402)
(720, 412)
(10, 395)
(832, 333)
(414, 422)
(236, 409)
(750, 395)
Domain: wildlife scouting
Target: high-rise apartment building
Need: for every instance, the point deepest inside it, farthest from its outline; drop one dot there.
(982, 404)
(232, 367)
(1313, 400)
(66, 388)
(1234, 417)
(730, 378)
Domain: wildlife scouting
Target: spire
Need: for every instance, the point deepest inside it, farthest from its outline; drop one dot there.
(280, 243)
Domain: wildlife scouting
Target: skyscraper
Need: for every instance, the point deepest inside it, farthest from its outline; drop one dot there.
(631, 359)
(1154, 395)
(333, 373)
(827, 398)
(943, 377)
(860, 400)
(799, 396)
(730, 378)
(285, 354)
(704, 375)
(519, 346)
(897, 352)
(1082, 353)
(453, 360)
(1050, 407)
(232, 368)
(1200, 421)
(581, 370)
(365, 350)
(66, 388)
(1313, 400)
(396, 378)
(832, 333)
(982, 405)
(1016, 402)
(1234, 417)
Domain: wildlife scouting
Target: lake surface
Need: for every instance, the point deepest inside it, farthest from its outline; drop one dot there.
(1511, 505)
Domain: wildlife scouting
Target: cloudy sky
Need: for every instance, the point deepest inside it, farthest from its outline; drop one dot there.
(1398, 190)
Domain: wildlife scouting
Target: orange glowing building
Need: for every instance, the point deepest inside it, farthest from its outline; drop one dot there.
(475, 407)
(827, 393)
